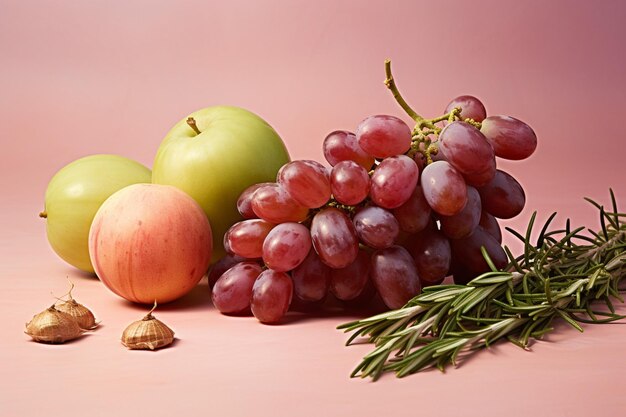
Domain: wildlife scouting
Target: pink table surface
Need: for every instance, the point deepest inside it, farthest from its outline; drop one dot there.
(78, 78)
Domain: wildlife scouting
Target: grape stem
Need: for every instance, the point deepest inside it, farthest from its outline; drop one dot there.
(425, 133)
(391, 85)
(429, 152)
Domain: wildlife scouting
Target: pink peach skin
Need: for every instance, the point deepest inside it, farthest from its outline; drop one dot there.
(150, 242)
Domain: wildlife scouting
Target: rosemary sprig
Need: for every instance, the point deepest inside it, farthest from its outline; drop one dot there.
(564, 275)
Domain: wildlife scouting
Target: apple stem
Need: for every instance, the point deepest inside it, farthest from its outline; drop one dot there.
(192, 124)
(43, 215)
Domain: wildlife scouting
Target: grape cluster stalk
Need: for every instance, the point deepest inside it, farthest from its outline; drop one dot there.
(399, 209)
(566, 275)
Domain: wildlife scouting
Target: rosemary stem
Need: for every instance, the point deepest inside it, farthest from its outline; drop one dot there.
(558, 278)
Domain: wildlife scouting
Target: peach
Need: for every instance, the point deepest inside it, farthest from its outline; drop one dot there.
(150, 242)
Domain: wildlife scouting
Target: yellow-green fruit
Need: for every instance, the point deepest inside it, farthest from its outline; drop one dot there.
(227, 150)
(75, 194)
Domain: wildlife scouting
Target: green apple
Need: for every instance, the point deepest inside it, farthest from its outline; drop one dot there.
(215, 154)
(75, 194)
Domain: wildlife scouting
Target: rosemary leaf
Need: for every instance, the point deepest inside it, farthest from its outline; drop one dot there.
(563, 276)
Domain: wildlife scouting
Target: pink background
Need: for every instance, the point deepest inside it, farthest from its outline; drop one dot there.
(78, 78)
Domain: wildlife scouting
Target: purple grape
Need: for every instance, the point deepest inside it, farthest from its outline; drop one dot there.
(503, 197)
(349, 183)
(307, 182)
(444, 188)
(376, 227)
(342, 145)
(286, 246)
(383, 136)
(271, 296)
(471, 108)
(464, 222)
(414, 214)
(349, 282)
(233, 290)
(395, 276)
(311, 278)
(509, 137)
(393, 181)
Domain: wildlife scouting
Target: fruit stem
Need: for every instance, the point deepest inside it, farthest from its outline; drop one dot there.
(149, 316)
(43, 215)
(391, 85)
(192, 124)
(448, 116)
(430, 151)
(71, 288)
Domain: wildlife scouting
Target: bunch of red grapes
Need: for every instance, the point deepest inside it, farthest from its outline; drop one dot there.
(398, 210)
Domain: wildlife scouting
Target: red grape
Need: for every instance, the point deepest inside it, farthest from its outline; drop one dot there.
(334, 238)
(510, 138)
(244, 202)
(393, 181)
(349, 182)
(414, 214)
(342, 145)
(466, 252)
(311, 278)
(246, 237)
(395, 276)
(465, 148)
(461, 274)
(271, 296)
(482, 178)
(226, 244)
(491, 226)
(286, 246)
(221, 266)
(464, 222)
(383, 136)
(444, 188)
(432, 254)
(303, 306)
(471, 108)
(368, 298)
(233, 290)
(437, 156)
(503, 197)
(376, 227)
(420, 160)
(307, 182)
(273, 204)
(349, 282)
